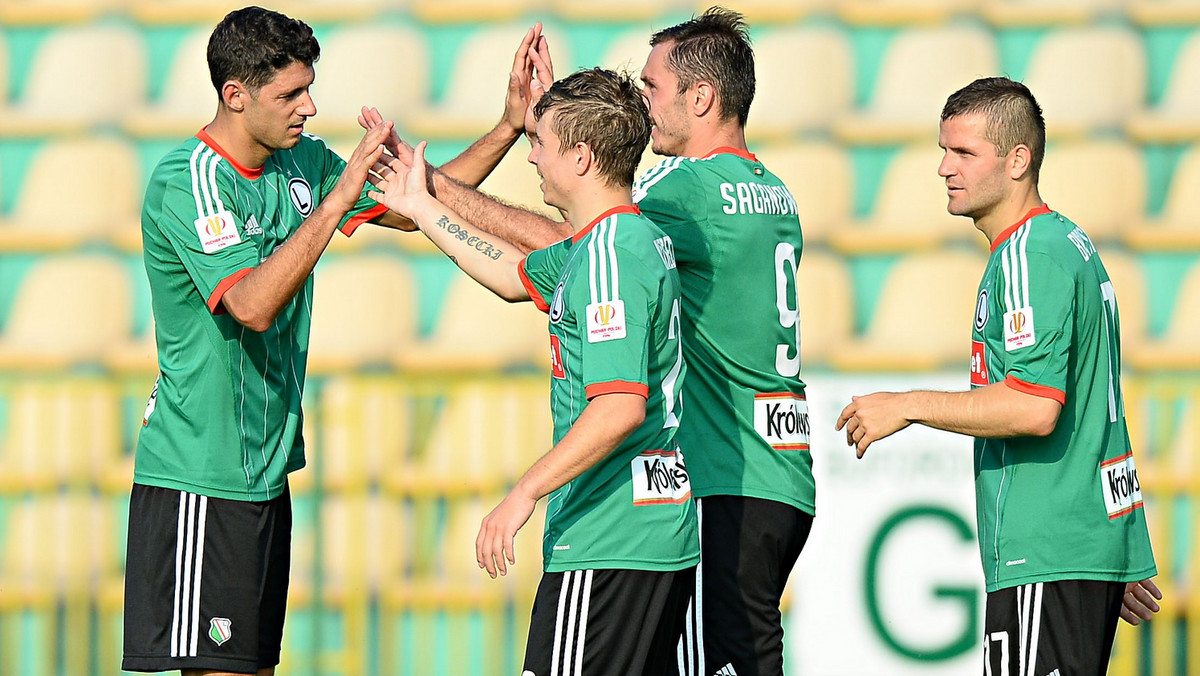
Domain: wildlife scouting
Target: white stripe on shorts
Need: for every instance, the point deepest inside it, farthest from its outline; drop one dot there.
(189, 559)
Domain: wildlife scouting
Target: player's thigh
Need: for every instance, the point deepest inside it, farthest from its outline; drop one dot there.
(601, 622)
(1062, 628)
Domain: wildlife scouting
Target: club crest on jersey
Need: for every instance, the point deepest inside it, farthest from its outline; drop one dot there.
(1120, 485)
(659, 478)
(220, 630)
(606, 321)
(1018, 329)
(981, 310)
(302, 196)
(217, 231)
(558, 306)
(781, 419)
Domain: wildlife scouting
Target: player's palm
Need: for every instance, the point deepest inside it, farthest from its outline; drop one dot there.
(402, 186)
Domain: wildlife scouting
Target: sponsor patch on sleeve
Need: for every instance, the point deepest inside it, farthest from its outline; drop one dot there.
(979, 373)
(1120, 485)
(1018, 329)
(606, 321)
(217, 231)
(660, 477)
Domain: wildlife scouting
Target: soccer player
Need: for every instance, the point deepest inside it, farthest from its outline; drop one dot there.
(234, 220)
(738, 244)
(1062, 532)
(620, 543)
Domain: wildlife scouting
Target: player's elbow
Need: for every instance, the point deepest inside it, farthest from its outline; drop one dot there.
(1040, 420)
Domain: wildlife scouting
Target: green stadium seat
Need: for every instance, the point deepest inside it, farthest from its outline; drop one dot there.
(1176, 118)
(477, 330)
(65, 72)
(1054, 13)
(805, 81)
(67, 311)
(903, 12)
(1087, 79)
(922, 316)
(826, 306)
(102, 205)
(346, 81)
(364, 311)
(1100, 185)
(820, 177)
(914, 80)
(1176, 228)
(1175, 350)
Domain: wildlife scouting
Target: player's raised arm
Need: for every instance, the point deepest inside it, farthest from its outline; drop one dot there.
(491, 261)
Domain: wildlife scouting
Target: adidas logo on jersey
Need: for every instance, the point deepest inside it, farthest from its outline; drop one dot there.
(1054, 673)
(726, 670)
(252, 227)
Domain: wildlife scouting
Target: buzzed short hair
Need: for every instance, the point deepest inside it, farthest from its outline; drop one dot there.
(714, 47)
(251, 44)
(1013, 116)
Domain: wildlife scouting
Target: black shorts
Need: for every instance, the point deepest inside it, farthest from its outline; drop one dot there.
(748, 547)
(619, 622)
(1063, 628)
(206, 581)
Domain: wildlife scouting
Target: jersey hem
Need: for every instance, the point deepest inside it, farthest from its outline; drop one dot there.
(1059, 576)
(361, 217)
(1044, 391)
(208, 491)
(616, 387)
(214, 301)
(538, 301)
(623, 564)
(808, 508)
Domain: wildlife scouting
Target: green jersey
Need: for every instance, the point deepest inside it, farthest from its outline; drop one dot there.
(738, 243)
(224, 419)
(1067, 506)
(614, 328)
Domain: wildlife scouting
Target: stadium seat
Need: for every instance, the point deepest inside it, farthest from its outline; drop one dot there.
(910, 209)
(805, 81)
(915, 77)
(477, 330)
(473, 99)
(922, 317)
(472, 11)
(762, 12)
(821, 179)
(1176, 118)
(65, 71)
(182, 12)
(1087, 79)
(366, 432)
(1175, 228)
(1100, 185)
(187, 100)
(60, 432)
(68, 310)
(615, 10)
(1047, 12)
(626, 51)
(1175, 350)
(347, 79)
(1154, 13)
(101, 203)
(364, 310)
(826, 306)
(889, 12)
(516, 181)
(51, 12)
(1129, 282)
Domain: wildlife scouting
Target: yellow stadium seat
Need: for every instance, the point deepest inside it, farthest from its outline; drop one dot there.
(1176, 227)
(614, 10)
(877, 12)
(364, 310)
(365, 433)
(805, 81)
(473, 98)
(182, 12)
(49, 12)
(188, 99)
(516, 181)
(80, 77)
(1100, 185)
(914, 80)
(1164, 12)
(346, 81)
(478, 330)
(821, 179)
(468, 11)
(761, 12)
(1047, 12)
(61, 432)
(910, 209)
(1176, 118)
(922, 317)
(101, 204)
(1087, 79)
(1176, 348)
(68, 310)
(826, 306)
(1129, 282)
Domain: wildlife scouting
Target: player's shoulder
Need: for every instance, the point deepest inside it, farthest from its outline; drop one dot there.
(670, 173)
(191, 165)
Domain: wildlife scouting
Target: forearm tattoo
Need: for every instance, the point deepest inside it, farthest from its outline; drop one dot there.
(463, 235)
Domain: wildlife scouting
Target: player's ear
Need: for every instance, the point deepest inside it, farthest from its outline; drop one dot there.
(234, 95)
(1020, 162)
(702, 98)
(584, 158)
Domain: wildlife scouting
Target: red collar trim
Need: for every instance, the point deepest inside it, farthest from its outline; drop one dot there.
(1007, 232)
(244, 171)
(744, 154)
(623, 209)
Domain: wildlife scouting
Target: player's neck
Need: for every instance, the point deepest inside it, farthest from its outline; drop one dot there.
(589, 205)
(706, 138)
(236, 142)
(1009, 213)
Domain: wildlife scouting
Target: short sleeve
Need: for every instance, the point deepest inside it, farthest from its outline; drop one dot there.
(666, 194)
(541, 270)
(364, 210)
(615, 303)
(1038, 303)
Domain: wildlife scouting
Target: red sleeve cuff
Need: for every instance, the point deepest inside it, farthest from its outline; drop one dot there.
(617, 387)
(1036, 390)
(214, 301)
(362, 217)
(533, 292)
